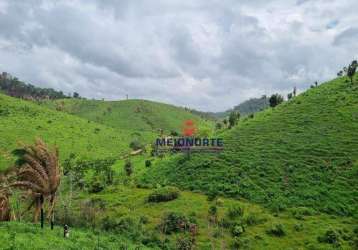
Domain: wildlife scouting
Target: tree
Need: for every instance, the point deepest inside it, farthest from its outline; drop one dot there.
(225, 122)
(275, 100)
(289, 96)
(340, 73)
(76, 95)
(294, 91)
(352, 70)
(233, 118)
(39, 172)
(128, 168)
(218, 125)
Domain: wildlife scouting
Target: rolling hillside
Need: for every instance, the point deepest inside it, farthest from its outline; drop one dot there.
(132, 115)
(302, 153)
(23, 121)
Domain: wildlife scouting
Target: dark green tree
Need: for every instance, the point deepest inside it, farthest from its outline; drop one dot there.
(275, 100)
(128, 168)
(233, 118)
(352, 70)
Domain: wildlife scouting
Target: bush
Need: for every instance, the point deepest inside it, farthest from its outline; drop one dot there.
(128, 168)
(148, 163)
(276, 230)
(96, 185)
(331, 237)
(164, 194)
(298, 227)
(254, 219)
(239, 243)
(237, 230)
(212, 194)
(185, 242)
(213, 210)
(235, 212)
(174, 222)
(136, 145)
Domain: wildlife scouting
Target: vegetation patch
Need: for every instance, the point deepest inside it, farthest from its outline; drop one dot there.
(164, 194)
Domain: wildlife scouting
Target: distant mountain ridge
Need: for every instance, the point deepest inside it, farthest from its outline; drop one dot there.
(245, 108)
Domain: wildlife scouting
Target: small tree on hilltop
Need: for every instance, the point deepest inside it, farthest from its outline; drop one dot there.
(352, 70)
(289, 96)
(275, 100)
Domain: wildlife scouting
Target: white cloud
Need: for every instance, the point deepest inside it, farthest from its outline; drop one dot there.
(209, 55)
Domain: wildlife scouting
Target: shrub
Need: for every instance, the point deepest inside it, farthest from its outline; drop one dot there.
(185, 242)
(330, 236)
(164, 194)
(136, 145)
(298, 227)
(96, 185)
(128, 168)
(212, 194)
(174, 222)
(239, 243)
(254, 219)
(213, 210)
(237, 230)
(300, 212)
(235, 212)
(276, 230)
(148, 163)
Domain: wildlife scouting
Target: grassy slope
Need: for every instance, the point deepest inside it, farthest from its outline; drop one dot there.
(24, 121)
(302, 153)
(120, 201)
(131, 115)
(28, 236)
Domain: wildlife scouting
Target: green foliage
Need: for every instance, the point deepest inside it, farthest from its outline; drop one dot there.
(330, 236)
(13, 87)
(148, 163)
(128, 168)
(352, 70)
(213, 210)
(237, 230)
(134, 116)
(71, 134)
(164, 194)
(234, 212)
(233, 118)
(16, 235)
(136, 145)
(300, 154)
(173, 222)
(275, 100)
(185, 242)
(96, 185)
(276, 230)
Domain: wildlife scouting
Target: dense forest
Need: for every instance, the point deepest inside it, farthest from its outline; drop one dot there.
(12, 86)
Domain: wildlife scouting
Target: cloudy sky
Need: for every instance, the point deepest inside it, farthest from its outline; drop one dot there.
(205, 54)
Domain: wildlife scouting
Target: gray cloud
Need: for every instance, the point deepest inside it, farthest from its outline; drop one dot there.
(206, 54)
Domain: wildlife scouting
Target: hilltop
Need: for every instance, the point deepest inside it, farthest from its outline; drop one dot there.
(304, 152)
(131, 115)
(23, 121)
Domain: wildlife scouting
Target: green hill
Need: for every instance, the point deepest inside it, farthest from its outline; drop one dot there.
(23, 121)
(302, 153)
(132, 115)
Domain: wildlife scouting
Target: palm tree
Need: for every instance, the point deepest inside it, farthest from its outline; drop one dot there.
(40, 175)
(5, 209)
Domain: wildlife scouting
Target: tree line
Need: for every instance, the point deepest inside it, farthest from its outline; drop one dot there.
(12, 86)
